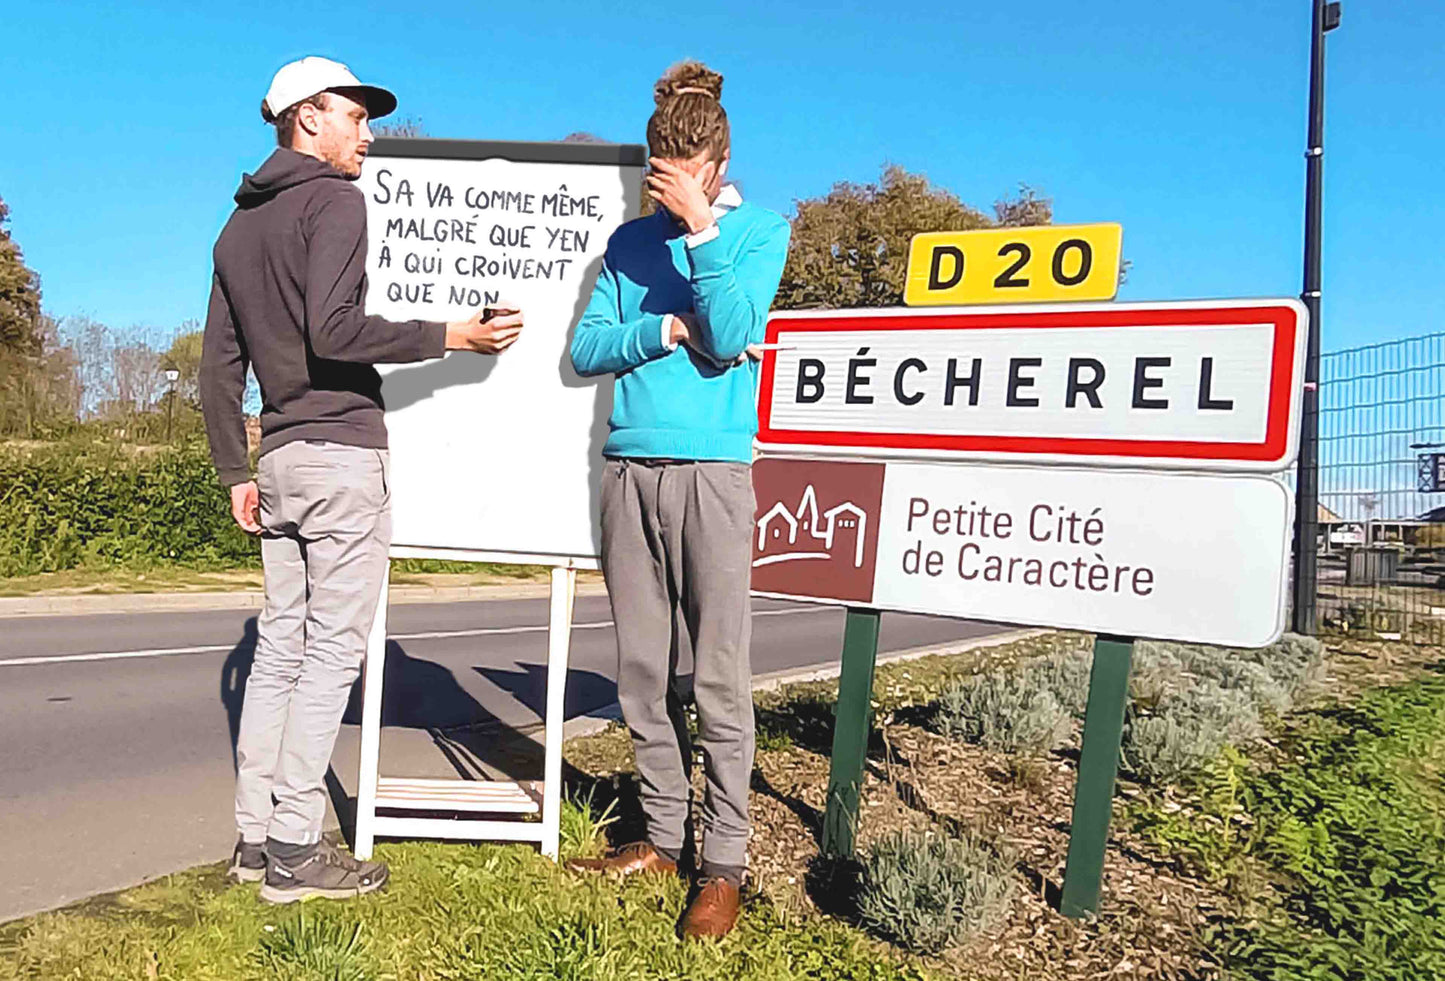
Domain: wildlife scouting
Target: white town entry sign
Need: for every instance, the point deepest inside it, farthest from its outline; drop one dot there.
(1101, 467)
(1210, 385)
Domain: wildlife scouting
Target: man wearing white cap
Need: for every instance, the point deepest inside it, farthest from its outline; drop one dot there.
(288, 299)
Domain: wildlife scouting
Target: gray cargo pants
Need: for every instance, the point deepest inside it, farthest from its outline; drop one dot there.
(326, 529)
(677, 540)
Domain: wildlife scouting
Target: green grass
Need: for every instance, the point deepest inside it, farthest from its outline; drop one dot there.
(451, 912)
(1338, 855)
(401, 568)
(583, 825)
(155, 577)
(142, 578)
(315, 945)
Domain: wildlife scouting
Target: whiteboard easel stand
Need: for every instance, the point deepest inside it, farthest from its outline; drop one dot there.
(481, 796)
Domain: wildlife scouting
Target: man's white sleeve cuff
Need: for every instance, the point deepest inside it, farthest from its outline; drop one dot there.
(667, 341)
(703, 237)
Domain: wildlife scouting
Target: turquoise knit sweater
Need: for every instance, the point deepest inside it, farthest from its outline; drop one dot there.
(692, 402)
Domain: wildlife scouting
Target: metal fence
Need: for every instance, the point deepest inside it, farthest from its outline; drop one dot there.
(1382, 508)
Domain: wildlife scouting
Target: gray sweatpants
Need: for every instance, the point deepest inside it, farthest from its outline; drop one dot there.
(677, 540)
(326, 528)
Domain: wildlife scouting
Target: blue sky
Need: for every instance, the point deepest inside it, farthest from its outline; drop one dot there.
(127, 129)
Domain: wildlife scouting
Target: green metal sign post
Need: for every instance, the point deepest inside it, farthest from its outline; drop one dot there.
(850, 733)
(1098, 769)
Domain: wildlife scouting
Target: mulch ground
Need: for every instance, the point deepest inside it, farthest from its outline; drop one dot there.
(1153, 914)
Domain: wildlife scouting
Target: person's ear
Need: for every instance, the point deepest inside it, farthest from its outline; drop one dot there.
(722, 168)
(308, 117)
(706, 175)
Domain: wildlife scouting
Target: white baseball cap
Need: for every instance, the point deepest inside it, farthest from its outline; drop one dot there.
(310, 76)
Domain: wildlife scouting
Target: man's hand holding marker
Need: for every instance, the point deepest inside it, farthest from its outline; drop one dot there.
(491, 330)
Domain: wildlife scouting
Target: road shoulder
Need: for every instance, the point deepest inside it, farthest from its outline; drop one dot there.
(251, 599)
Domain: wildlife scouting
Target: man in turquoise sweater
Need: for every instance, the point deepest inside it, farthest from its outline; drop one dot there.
(682, 296)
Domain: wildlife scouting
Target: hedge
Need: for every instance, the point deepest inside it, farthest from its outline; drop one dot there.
(94, 504)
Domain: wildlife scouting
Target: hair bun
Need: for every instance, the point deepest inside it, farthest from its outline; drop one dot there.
(688, 77)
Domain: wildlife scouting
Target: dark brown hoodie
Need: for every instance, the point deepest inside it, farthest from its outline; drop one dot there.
(288, 297)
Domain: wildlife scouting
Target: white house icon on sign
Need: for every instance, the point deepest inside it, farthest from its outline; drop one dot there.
(795, 531)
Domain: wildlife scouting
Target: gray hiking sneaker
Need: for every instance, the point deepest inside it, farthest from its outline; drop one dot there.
(329, 872)
(248, 862)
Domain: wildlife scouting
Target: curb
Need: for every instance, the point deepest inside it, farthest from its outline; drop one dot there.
(598, 720)
(253, 599)
(777, 679)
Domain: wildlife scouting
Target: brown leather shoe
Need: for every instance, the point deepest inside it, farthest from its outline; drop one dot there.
(713, 911)
(639, 856)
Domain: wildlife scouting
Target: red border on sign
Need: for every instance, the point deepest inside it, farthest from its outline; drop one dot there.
(1274, 446)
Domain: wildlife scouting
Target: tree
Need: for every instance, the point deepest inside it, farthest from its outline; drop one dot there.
(20, 327)
(1026, 209)
(39, 391)
(137, 376)
(120, 372)
(91, 341)
(850, 247)
(37, 373)
(406, 127)
(184, 356)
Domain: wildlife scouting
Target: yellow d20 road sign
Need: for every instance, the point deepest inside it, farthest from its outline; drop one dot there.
(1036, 264)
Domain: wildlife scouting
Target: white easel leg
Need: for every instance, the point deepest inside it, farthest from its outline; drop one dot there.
(374, 670)
(559, 635)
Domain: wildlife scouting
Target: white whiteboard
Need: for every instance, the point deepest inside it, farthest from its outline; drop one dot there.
(495, 454)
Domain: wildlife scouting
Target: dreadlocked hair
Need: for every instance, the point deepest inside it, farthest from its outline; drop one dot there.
(689, 117)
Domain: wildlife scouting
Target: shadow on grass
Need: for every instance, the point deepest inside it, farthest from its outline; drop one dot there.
(173, 901)
(923, 716)
(832, 884)
(806, 723)
(810, 816)
(1041, 884)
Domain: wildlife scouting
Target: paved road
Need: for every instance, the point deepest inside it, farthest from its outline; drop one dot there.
(116, 730)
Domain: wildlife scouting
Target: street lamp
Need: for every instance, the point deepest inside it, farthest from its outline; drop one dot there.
(1306, 549)
(172, 375)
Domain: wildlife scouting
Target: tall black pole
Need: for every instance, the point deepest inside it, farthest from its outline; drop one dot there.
(1307, 486)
